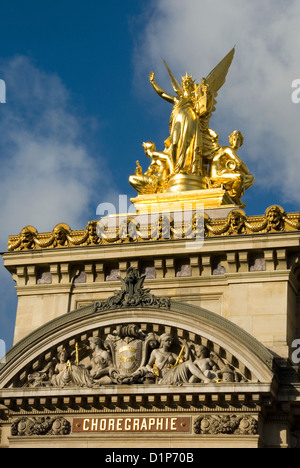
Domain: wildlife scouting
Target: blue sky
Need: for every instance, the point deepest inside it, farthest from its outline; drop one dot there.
(79, 103)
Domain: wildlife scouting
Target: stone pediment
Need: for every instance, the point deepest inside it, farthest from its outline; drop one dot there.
(135, 338)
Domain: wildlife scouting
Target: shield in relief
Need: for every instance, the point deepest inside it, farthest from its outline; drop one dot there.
(129, 355)
(128, 345)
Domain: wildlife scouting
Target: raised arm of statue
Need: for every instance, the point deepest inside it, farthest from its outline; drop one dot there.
(160, 91)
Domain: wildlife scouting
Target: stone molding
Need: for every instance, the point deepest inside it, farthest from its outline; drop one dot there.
(220, 397)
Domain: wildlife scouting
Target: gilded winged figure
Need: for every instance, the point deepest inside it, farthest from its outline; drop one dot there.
(192, 142)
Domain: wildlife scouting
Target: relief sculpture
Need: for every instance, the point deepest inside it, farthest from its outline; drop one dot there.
(130, 356)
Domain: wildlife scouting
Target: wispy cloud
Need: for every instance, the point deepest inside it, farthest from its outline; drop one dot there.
(194, 35)
(49, 173)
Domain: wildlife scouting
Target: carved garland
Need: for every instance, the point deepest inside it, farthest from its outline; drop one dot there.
(164, 228)
(40, 427)
(226, 424)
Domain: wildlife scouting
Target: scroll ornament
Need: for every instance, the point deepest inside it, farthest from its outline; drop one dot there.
(132, 294)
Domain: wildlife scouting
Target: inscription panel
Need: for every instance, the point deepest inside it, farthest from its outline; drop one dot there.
(132, 424)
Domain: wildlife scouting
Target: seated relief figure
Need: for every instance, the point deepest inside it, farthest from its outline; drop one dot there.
(168, 368)
(67, 374)
(100, 362)
(228, 170)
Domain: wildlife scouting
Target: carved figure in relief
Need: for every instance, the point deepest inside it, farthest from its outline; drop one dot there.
(274, 217)
(162, 358)
(206, 364)
(26, 239)
(235, 224)
(61, 232)
(38, 379)
(101, 362)
(163, 363)
(236, 220)
(69, 374)
(91, 228)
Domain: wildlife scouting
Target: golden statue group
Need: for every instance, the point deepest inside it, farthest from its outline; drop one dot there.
(193, 159)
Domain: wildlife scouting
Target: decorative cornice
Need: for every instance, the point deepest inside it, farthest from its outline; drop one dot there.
(216, 397)
(164, 228)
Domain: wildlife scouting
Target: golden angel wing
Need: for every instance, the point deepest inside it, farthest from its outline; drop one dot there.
(217, 78)
(174, 82)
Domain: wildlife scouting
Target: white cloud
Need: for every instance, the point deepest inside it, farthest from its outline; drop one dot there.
(256, 99)
(48, 172)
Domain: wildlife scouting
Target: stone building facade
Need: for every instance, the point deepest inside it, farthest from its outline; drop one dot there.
(128, 339)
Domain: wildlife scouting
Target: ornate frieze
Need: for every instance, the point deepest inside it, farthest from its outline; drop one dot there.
(128, 355)
(128, 399)
(161, 228)
(206, 424)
